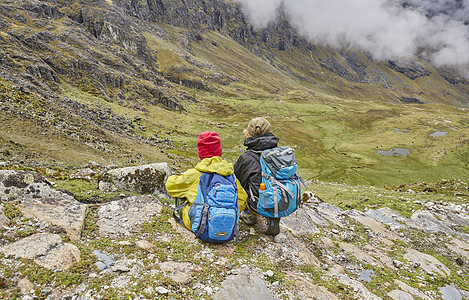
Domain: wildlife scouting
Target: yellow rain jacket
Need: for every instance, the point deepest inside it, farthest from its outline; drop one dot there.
(187, 184)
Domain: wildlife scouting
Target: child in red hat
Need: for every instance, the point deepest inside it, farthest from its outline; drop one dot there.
(186, 185)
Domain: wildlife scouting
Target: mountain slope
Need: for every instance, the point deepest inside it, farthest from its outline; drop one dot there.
(121, 82)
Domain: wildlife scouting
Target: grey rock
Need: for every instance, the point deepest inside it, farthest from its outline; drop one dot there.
(121, 217)
(331, 213)
(254, 288)
(413, 291)
(3, 218)
(46, 250)
(20, 185)
(145, 179)
(449, 292)
(26, 286)
(427, 262)
(399, 295)
(424, 219)
(360, 290)
(387, 216)
(105, 261)
(68, 214)
(300, 222)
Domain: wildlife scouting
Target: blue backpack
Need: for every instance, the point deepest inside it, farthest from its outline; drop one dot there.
(214, 214)
(282, 195)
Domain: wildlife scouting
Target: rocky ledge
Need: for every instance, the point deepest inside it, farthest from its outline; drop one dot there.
(55, 247)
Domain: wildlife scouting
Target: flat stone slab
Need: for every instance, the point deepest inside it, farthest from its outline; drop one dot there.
(177, 271)
(46, 249)
(413, 291)
(374, 225)
(400, 295)
(300, 223)
(387, 216)
(244, 285)
(146, 179)
(68, 214)
(427, 262)
(424, 219)
(306, 290)
(331, 213)
(361, 291)
(122, 217)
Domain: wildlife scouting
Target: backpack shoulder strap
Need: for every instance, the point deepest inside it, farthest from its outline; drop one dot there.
(175, 210)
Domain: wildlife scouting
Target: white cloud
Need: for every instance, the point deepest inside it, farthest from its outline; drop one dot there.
(384, 28)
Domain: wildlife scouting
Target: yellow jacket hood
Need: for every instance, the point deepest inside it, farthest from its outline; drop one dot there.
(215, 164)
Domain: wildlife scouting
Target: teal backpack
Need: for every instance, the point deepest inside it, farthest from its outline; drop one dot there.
(282, 194)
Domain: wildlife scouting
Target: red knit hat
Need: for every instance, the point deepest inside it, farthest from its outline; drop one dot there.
(208, 144)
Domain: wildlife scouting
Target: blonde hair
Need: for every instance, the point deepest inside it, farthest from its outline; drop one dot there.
(257, 126)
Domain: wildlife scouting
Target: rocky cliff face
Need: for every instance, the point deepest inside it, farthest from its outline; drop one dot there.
(103, 48)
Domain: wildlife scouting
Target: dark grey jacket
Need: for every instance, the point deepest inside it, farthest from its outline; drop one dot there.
(248, 168)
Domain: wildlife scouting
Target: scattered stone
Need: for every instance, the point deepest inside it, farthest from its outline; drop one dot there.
(162, 290)
(105, 261)
(26, 286)
(397, 263)
(177, 271)
(124, 243)
(269, 273)
(145, 245)
(146, 179)
(46, 250)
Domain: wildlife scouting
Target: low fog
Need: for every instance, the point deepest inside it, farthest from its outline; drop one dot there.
(386, 29)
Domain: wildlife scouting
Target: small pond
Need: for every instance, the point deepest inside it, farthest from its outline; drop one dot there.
(395, 152)
(438, 134)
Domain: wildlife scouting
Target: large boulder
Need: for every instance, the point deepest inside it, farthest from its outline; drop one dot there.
(37, 199)
(146, 179)
(17, 185)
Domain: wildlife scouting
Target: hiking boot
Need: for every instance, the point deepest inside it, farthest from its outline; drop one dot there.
(247, 217)
(269, 226)
(262, 223)
(273, 227)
